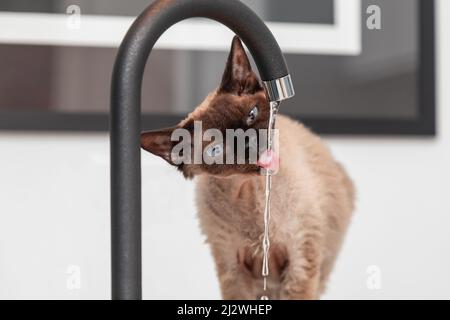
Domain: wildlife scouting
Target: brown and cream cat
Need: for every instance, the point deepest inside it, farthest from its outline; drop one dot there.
(312, 196)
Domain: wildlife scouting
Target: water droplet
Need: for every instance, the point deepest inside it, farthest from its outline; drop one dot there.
(264, 298)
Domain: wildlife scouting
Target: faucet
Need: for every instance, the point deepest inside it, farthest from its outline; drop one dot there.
(125, 114)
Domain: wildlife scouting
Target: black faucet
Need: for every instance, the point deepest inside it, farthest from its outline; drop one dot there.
(125, 125)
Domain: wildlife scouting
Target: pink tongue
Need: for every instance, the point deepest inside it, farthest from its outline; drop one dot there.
(269, 160)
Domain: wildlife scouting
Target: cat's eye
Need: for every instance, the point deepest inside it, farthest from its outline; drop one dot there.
(253, 114)
(214, 151)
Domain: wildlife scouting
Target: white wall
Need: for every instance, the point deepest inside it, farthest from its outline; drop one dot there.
(54, 213)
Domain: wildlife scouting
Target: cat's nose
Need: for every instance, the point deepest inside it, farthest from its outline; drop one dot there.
(269, 160)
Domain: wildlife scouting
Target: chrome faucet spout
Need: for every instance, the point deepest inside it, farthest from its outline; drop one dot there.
(279, 89)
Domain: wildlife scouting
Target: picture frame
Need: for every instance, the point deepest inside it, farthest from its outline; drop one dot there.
(423, 124)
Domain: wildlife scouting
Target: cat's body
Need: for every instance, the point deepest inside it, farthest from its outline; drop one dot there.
(312, 201)
(312, 197)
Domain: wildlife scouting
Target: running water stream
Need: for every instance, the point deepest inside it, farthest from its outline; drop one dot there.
(268, 185)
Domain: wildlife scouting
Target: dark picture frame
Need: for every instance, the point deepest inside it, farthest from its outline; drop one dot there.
(424, 124)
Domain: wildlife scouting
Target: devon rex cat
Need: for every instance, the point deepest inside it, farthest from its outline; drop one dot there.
(312, 196)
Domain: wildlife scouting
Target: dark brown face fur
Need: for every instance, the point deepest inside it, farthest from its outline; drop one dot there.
(228, 108)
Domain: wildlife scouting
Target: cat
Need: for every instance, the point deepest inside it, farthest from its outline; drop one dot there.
(312, 196)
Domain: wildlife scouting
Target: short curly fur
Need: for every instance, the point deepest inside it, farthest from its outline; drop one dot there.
(312, 196)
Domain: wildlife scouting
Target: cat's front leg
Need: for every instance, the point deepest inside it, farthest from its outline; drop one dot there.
(236, 287)
(302, 280)
(234, 281)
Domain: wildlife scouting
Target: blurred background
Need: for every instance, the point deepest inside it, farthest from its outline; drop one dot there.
(370, 91)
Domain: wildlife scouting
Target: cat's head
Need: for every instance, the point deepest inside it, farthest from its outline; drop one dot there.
(239, 102)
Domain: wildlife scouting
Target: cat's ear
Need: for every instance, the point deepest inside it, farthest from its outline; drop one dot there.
(238, 77)
(159, 143)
